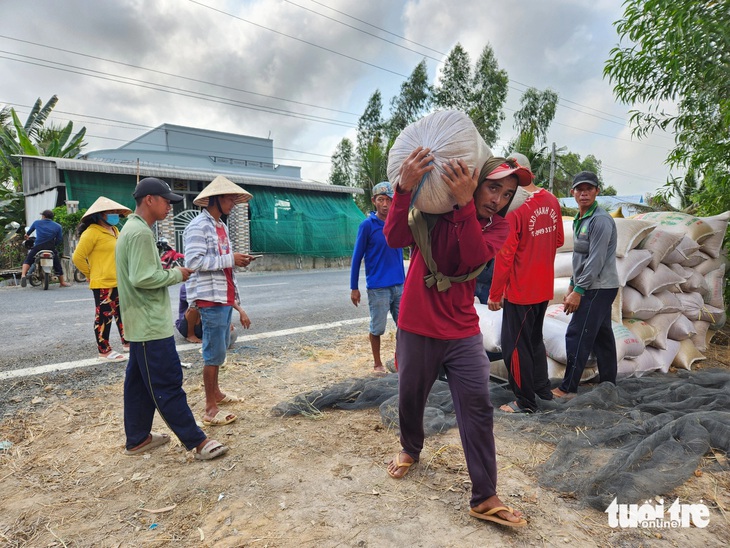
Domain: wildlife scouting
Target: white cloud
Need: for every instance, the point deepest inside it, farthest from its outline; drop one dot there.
(286, 51)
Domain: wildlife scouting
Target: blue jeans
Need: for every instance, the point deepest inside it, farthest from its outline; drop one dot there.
(216, 333)
(380, 301)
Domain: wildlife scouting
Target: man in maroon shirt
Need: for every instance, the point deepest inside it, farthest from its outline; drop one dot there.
(438, 324)
(522, 284)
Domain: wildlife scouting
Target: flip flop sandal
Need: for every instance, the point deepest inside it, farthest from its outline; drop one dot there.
(398, 465)
(491, 515)
(211, 450)
(220, 419)
(515, 409)
(228, 398)
(155, 441)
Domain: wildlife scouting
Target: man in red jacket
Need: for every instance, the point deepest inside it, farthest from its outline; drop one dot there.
(438, 324)
(523, 285)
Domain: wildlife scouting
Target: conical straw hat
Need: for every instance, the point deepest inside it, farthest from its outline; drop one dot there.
(219, 187)
(105, 205)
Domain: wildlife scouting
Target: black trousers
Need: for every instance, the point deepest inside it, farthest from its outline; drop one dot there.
(523, 350)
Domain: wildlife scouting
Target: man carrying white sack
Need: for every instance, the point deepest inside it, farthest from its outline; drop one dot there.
(593, 288)
(437, 323)
(523, 285)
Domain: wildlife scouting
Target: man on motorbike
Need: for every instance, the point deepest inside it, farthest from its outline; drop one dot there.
(49, 235)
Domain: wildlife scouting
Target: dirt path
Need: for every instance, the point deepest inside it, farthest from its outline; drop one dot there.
(301, 481)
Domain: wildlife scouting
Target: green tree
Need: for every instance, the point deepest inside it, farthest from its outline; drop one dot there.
(412, 102)
(536, 113)
(33, 139)
(678, 51)
(609, 191)
(454, 88)
(371, 154)
(342, 164)
(488, 94)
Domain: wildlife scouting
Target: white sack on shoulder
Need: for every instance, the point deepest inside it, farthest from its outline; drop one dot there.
(450, 135)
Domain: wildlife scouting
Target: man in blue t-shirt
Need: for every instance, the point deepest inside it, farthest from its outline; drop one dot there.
(384, 272)
(48, 236)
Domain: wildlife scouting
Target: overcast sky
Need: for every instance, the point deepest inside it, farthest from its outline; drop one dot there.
(301, 71)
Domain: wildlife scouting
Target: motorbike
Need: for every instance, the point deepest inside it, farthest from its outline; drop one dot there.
(41, 271)
(168, 256)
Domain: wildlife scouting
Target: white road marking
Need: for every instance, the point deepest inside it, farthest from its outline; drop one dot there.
(264, 285)
(53, 367)
(74, 300)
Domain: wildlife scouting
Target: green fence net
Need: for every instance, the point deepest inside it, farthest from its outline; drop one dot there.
(286, 221)
(302, 223)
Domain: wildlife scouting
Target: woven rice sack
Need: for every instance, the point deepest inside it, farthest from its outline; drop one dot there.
(673, 221)
(665, 357)
(626, 368)
(646, 363)
(556, 370)
(695, 282)
(630, 233)
(553, 333)
(681, 329)
(616, 308)
(694, 308)
(700, 338)
(712, 245)
(560, 289)
(450, 135)
(627, 344)
(715, 281)
(563, 265)
(670, 301)
(498, 370)
(568, 236)
(557, 312)
(652, 281)
(685, 249)
(660, 242)
(636, 305)
(709, 264)
(662, 323)
(632, 265)
(644, 331)
(687, 355)
(490, 324)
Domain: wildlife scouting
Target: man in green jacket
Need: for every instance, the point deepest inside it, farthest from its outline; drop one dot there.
(154, 375)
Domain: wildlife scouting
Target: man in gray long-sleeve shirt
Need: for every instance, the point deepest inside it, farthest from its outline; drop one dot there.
(593, 288)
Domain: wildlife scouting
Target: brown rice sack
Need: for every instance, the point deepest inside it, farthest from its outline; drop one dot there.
(665, 357)
(632, 264)
(556, 371)
(636, 305)
(712, 245)
(449, 134)
(626, 367)
(662, 323)
(630, 233)
(660, 243)
(709, 263)
(715, 281)
(563, 265)
(694, 308)
(687, 355)
(682, 329)
(652, 281)
(646, 363)
(674, 221)
(644, 331)
(701, 338)
(670, 302)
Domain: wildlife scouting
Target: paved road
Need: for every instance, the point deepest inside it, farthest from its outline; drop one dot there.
(45, 327)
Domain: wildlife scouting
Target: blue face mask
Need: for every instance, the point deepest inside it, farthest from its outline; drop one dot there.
(112, 218)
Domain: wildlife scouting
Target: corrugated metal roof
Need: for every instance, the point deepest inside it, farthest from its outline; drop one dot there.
(170, 172)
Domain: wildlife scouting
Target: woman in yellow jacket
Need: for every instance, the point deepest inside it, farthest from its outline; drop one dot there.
(95, 257)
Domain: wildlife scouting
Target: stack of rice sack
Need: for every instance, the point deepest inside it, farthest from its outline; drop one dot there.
(671, 270)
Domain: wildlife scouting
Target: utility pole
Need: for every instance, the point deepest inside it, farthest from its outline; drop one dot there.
(552, 169)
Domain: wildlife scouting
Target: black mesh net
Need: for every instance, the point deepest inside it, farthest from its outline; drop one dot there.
(636, 440)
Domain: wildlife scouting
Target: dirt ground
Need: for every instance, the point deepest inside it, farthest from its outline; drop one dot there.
(318, 480)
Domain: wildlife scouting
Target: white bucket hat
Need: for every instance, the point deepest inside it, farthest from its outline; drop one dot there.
(105, 205)
(221, 186)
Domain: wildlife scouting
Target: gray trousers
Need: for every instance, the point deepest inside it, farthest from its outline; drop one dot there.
(467, 371)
